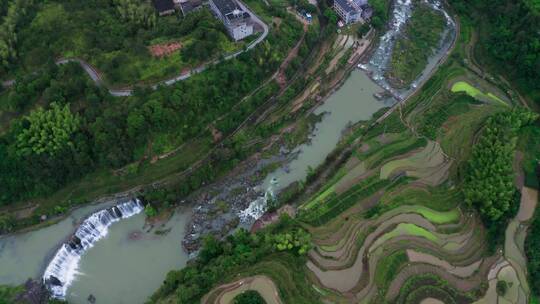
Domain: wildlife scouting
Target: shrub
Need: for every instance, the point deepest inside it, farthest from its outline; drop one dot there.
(502, 287)
(249, 297)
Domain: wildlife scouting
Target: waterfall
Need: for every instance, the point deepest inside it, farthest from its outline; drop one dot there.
(402, 11)
(256, 208)
(62, 269)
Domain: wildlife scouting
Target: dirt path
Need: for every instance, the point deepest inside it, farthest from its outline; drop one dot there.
(529, 200)
(225, 294)
(281, 77)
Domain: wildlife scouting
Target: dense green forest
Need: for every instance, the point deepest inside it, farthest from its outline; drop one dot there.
(237, 252)
(421, 35)
(489, 177)
(34, 32)
(533, 254)
(109, 132)
(489, 182)
(508, 38)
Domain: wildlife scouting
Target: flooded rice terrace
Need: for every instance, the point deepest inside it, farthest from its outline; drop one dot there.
(106, 250)
(353, 102)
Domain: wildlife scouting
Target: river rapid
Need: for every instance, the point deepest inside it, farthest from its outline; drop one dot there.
(107, 251)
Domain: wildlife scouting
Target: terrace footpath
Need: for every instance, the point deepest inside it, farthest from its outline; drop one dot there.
(98, 79)
(441, 61)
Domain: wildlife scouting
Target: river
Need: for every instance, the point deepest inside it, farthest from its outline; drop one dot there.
(120, 261)
(351, 103)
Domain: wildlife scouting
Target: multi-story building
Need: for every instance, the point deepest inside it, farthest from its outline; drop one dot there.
(236, 20)
(164, 7)
(188, 6)
(349, 11)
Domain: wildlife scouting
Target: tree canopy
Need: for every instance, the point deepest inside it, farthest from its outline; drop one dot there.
(47, 131)
(249, 297)
(489, 182)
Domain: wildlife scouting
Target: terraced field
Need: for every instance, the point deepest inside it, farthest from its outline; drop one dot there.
(226, 293)
(391, 225)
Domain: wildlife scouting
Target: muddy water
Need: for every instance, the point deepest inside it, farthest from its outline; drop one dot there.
(354, 102)
(129, 264)
(351, 103)
(126, 266)
(25, 255)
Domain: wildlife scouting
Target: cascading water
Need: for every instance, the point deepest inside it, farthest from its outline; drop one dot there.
(377, 66)
(379, 61)
(62, 269)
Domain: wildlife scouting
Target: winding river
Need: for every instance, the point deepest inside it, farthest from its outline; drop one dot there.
(108, 252)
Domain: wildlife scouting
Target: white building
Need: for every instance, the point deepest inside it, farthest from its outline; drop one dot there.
(349, 11)
(236, 20)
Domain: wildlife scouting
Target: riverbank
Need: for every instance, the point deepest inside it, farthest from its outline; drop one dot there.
(245, 185)
(148, 173)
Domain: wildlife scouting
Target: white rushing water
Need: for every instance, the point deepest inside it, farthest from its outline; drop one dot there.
(309, 155)
(379, 62)
(402, 11)
(62, 269)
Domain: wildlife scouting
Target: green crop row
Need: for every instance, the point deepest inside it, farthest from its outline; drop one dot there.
(334, 207)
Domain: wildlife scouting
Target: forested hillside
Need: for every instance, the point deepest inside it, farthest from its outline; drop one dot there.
(33, 32)
(509, 37)
(112, 132)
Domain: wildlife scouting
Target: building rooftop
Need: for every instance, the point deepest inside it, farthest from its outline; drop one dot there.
(346, 5)
(163, 5)
(230, 10)
(190, 5)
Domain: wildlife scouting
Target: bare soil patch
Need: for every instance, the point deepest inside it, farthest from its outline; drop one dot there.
(529, 199)
(164, 49)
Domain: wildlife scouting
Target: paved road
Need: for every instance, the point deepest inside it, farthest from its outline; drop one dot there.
(96, 77)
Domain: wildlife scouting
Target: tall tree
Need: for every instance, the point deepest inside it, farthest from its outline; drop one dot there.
(47, 131)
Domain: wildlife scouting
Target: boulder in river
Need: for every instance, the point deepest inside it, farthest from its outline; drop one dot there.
(54, 281)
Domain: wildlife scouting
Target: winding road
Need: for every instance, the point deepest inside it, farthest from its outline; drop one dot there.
(96, 76)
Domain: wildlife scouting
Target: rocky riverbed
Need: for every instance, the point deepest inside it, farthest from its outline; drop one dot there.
(219, 208)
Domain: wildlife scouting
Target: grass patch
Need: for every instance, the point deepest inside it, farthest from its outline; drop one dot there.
(430, 156)
(431, 121)
(465, 87)
(404, 229)
(439, 198)
(9, 293)
(324, 212)
(405, 142)
(459, 133)
(438, 217)
(388, 267)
